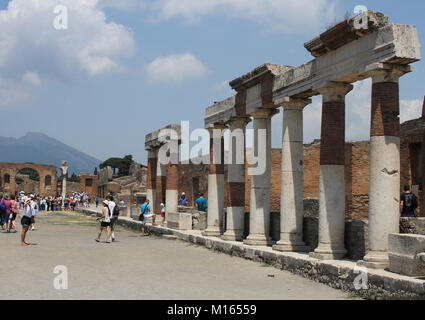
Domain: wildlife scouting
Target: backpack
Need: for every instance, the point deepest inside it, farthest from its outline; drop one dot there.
(116, 211)
(3, 207)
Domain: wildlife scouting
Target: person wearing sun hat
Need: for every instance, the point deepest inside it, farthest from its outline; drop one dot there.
(26, 220)
(105, 222)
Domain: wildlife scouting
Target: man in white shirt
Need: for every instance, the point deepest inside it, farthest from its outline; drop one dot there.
(111, 207)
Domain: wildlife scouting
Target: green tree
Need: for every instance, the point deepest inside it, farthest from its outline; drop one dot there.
(95, 171)
(122, 164)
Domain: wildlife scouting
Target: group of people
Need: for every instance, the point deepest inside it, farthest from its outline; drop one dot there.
(200, 203)
(9, 212)
(57, 203)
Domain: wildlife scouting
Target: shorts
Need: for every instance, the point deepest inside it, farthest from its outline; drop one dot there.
(113, 221)
(13, 216)
(4, 218)
(26, 221)
(162, 214)
(105, 224)
(146, 217)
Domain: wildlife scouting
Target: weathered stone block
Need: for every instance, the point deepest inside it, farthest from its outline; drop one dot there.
(179, 220)
(407, 254)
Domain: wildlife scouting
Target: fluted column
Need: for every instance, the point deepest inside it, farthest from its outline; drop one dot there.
(151, 183)
(259, 217)
(384, 192)
(235, 217)
(292, 184)
(332, 173)
(215, 184)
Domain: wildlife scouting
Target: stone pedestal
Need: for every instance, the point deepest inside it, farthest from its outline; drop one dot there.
(259, 218)
(292, 185)
(64, 170)
(215, 184)
(235, 217)
(384, 194)
(332, 178)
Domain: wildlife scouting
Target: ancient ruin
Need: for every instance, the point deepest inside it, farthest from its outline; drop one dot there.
(344, 54)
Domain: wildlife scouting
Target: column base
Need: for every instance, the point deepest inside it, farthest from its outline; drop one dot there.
(328, 253)
(375, 260)
(233, 236)
(211, 232)
(258, 240)
(291, 247)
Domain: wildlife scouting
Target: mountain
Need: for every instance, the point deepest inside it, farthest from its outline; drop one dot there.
(42, 149)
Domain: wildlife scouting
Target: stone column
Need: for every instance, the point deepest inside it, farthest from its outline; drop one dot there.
(161, 181)
(171, 193)
(384, 192)
(332, 173)
(215, 185)
(235, 217)
(259, 220)
(64, 169)
(292, 184)
(151, 183)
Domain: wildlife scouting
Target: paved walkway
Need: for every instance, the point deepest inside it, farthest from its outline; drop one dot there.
(136, 268)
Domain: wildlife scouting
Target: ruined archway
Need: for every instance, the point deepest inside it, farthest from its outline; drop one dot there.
(38, 178)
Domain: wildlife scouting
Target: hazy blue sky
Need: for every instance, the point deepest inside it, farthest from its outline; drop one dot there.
(127, 67)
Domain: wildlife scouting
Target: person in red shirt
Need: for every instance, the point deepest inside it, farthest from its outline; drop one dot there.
(14, 210)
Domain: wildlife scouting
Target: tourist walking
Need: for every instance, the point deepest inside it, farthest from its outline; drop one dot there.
(97, 201)
(27, 220)
(145, 215)
(408, 203)
(14, 210)
(113, 215)
(6, 206)
(105, 222)
(201, 203)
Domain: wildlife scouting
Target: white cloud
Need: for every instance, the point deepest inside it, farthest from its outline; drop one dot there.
(410, 109)
(12, 92)
(32, 49)
(297, 16)
(32, 78)
(175, 68)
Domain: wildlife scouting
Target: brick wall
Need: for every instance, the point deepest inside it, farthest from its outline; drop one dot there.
(356, 175)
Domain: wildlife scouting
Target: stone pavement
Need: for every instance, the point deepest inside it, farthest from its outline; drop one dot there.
(339, 274)
(136, 268)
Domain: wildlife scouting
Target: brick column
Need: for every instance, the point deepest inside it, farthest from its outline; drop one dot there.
(171, 194)
(292, 184)
(259, 217)
(151, 183)
(332, 173)
(235, 213)
(215, 185)
(161, 183)
(384, 192)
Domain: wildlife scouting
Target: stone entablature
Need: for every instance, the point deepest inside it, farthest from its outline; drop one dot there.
(157, 138)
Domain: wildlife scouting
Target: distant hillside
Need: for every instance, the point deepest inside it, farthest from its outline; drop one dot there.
(42, 149)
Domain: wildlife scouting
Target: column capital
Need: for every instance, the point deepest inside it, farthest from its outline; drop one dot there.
(289, 103)
(335, 91)
(213, 126)
(264, 113)
(390, 73)
(238, 122)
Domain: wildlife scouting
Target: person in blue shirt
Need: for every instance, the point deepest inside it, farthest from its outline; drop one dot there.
(145, 215)
(183, 200)
(201, 203)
